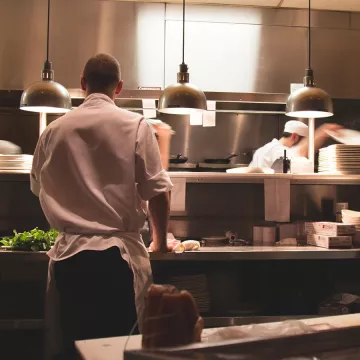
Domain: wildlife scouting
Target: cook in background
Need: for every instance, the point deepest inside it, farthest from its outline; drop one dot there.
(8, 148)
(94, 169)
(294, 140)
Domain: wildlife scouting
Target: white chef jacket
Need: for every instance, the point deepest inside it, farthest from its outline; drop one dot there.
(265, 156)
(93, 169)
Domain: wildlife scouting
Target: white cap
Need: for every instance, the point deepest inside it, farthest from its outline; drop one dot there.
(298, 127)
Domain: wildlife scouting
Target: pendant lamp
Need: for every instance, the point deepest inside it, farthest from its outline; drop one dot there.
(182, 98)
(309, 101)
(46, 96)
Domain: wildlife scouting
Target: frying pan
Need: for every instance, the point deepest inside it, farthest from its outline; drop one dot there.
(178, 159)
(220, 160)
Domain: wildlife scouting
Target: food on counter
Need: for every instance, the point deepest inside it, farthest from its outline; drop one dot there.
(33, 240)
(187, 245)
(170, 318)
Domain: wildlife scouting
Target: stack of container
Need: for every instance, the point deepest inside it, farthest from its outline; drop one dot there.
(330, 235)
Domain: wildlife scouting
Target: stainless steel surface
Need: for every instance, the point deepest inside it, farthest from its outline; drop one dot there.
(263, 16)
(265, 98)
(220, 166)
(223, 178)
(255, 50)
(226, 254)
(46, 96)
(182, 98)
(298, 179)
(132, 32)
(232, 134)
(258, 253)
(251, 52)
(309, 102)
(182, 166)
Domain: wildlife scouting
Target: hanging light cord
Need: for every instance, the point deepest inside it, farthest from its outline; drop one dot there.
(183, 48)
(48, 33)
(309, 36)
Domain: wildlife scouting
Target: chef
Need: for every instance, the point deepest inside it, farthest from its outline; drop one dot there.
(294, 140)
(94, 168)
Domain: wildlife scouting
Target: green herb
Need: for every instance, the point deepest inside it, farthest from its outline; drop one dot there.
(34, 240)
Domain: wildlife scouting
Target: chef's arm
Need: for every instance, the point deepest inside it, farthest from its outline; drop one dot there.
(320, 137)
(159, 211)
(38, 162)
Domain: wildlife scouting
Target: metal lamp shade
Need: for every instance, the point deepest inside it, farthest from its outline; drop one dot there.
(309, 102)
(46, 96)
(182, 98)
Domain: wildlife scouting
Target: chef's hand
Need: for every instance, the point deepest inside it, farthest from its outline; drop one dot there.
(321, 131)
(321, 134)
(170, 245)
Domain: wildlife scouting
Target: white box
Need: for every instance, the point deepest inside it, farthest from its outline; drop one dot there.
(329, 228)
(330, 241)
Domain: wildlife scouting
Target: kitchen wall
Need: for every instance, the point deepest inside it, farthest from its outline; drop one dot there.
(227, 48)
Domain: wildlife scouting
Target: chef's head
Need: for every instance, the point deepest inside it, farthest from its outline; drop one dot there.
(102, 74)
(294, 132)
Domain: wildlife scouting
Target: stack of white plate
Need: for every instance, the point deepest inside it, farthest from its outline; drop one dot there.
(340, 159)
(351, 217)
(197, 286)
(16, 162)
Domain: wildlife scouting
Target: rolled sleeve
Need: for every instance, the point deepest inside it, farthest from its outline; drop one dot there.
(150, 176)
(38, 162)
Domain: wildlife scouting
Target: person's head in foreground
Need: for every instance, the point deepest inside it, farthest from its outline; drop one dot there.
(102, 74)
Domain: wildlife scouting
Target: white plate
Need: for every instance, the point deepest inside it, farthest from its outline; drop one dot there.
(250, 170)
(345, 136)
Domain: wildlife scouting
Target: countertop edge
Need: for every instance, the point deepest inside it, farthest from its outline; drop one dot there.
(225, 254)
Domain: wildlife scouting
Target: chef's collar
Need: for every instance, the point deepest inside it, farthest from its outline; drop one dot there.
(98, 96)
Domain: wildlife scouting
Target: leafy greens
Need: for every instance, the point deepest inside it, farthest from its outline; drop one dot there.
(33, 240)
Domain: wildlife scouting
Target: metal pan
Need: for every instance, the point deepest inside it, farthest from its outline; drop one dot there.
(178, 159)
(220, 160)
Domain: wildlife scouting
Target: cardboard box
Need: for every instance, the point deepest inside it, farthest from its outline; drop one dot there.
(330, 242)
(329, 229)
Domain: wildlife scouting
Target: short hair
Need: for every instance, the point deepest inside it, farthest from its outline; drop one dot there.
(102, 73)
(287, 135)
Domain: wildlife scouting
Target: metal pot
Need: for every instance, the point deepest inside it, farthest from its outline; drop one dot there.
(220, 160)
(178, 159)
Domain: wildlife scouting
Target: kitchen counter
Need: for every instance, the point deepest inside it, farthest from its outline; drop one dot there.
(259, 253)
(299, 179)
(227, 253)
(113, 348)
(213, 177)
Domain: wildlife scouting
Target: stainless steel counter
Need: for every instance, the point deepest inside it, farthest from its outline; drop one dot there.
(308, 179)
(230, 253)
(213, 177)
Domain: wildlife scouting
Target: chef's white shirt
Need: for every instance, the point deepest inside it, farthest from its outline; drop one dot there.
(265, 156)
(93, 169)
